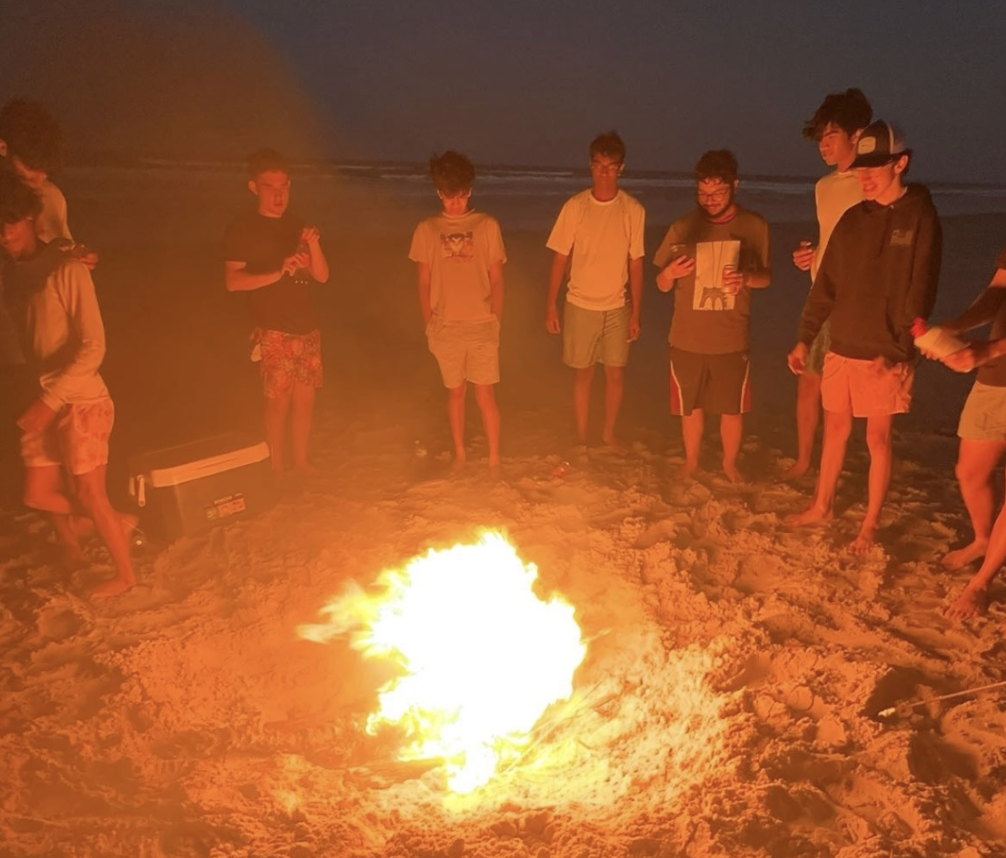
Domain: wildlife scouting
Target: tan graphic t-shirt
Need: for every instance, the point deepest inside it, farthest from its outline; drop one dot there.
(460, 251)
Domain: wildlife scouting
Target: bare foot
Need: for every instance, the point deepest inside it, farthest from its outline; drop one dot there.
(685, 471)
(965, 556)
(306, 469)
(972, 602)
(115, 587)
(613, 443)
(811, 515)
(733, 474)
(495, 471)
(458, 465)
(863, 541)
(795, 471)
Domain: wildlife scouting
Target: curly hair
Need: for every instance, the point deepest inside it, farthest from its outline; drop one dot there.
(717, 164)
(849, 110)
(452, 173)
(265, 161)
(17, 200)
(32, 135)
(608, 144)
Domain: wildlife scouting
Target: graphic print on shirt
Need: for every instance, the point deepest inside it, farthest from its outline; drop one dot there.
(711, 258)
(457, 246)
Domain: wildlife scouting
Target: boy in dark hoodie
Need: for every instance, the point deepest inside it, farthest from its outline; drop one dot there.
(878, 274)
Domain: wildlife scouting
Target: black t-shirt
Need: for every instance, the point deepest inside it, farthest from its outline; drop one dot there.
(262, 243)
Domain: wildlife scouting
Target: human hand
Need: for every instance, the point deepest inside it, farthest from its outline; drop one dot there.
(88, 257)
(552, 319)
(733, 280)
(310, 235)
(796, 360)
(803, 256)
(634, 329)
(38, 416)
(969, 358)
(299, 259)
(881, 364)
(682, 266)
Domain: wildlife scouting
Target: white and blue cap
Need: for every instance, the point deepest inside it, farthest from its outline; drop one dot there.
(879, 144)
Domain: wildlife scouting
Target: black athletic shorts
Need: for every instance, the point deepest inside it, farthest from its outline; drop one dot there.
(716, 383)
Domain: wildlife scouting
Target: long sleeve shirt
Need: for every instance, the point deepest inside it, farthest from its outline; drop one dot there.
(879, 272)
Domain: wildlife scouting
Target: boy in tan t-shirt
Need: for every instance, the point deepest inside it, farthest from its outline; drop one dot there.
(459, 256)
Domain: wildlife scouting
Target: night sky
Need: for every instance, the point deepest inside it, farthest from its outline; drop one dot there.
(517, 82)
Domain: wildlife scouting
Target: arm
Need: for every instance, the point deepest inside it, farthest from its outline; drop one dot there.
(424, 291)
(984, 308)
(636, 295)
(496, 289)
(819, 302)
(238, 280)
(319, 264)
(921, 295)
(559, 262)
(76, 291)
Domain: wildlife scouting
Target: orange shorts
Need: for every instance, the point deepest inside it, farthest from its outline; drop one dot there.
(288, 360)
(76, 439)
(860, 386)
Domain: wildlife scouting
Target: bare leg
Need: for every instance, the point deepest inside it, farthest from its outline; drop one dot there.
(731, 431)
(276, 409)
(691, 433)
(976, 463)
(485, 396)
(837, 427)
(90, 488)
(973, 599)
(614, 387)
(808, 410)
(301, 412)
(43, 490)
(582, 380)
(456, 418)
(878, 440)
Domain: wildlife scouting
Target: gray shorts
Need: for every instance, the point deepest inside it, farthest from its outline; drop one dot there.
(466, 352)
(819, 348)
(595, 336)
(983, 417)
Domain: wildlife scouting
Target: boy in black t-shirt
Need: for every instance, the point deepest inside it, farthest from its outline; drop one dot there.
(273, 256)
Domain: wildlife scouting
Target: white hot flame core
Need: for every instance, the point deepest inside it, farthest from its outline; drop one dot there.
(481, 655)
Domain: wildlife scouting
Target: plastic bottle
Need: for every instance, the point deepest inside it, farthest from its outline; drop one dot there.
(936, 341)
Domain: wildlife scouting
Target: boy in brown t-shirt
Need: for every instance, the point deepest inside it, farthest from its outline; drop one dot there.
(712, 257)
(459, 257)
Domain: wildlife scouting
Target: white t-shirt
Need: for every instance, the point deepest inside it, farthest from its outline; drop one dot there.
(834, 195)
(602, 238)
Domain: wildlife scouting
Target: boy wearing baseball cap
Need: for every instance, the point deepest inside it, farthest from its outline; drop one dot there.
(878, 274)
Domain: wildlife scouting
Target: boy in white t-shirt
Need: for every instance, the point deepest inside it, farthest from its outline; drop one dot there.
(835, 126)
(459, 256)
(598, 237)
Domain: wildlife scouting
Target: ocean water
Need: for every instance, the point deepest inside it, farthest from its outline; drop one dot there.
(522, 198)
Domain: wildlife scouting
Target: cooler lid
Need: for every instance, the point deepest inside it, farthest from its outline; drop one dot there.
(175, 465)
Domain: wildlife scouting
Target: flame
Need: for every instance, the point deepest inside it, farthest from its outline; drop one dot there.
(481, 656)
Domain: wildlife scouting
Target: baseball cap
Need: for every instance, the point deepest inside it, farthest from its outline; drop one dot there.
(879, 144)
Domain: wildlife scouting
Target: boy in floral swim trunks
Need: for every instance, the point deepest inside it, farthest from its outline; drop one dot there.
(273, 256)
(51, 298)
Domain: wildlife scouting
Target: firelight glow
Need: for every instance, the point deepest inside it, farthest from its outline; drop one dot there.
(481, 655)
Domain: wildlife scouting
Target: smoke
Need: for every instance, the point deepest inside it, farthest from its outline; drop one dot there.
(181, 79)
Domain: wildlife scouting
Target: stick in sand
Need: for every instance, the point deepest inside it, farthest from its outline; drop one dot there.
(887, 713)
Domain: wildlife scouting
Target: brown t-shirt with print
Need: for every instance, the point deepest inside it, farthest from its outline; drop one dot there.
(706, 319)
(994, 372)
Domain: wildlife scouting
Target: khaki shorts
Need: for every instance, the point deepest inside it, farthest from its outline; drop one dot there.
(595, 336)
(466, 352)
(77, 439)
(983, 417)
(850, 384)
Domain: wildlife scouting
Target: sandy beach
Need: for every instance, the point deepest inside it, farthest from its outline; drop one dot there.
(729, 701)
